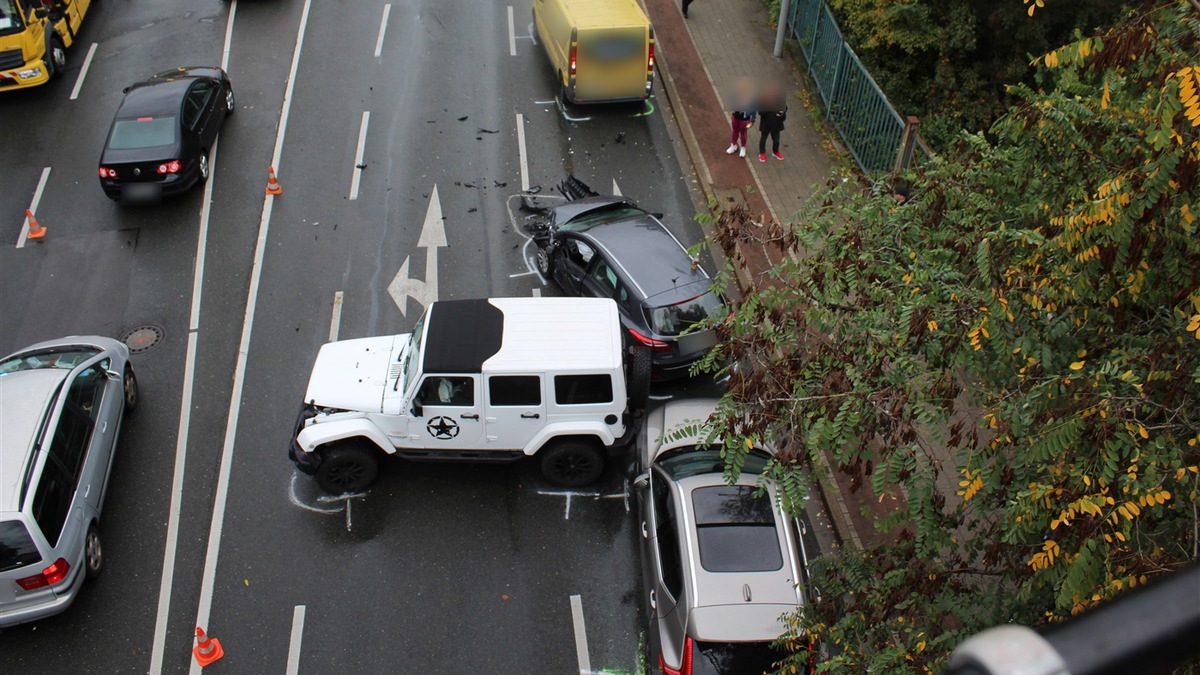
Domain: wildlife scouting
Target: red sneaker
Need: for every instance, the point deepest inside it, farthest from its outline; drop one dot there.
(776, 155)
(762, 156)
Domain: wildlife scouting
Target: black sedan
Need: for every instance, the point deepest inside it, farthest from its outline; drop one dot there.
(159, 141)
(607, 247)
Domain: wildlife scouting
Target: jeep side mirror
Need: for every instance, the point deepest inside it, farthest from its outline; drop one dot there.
(642, 481)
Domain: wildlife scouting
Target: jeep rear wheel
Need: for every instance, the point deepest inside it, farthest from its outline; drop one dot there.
(349, 466)
(572, 463)
(638, 377)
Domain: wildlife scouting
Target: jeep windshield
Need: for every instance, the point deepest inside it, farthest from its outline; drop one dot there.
(411, 354)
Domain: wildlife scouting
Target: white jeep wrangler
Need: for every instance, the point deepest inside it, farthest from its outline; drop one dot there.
(496, 379)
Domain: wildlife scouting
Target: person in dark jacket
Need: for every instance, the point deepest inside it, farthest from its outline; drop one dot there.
(772, 111)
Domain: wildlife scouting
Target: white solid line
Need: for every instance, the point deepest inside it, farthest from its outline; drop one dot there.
(217, 524)
(512, 36)
(387, 9)
(228, 36)
(581, 646)
(356, 173)
(33, 206)
(87, 63)
(293, 662)
(521, 151)
(183, 428)
(335, 321)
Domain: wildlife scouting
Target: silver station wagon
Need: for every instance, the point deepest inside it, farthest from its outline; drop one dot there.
(61, 405)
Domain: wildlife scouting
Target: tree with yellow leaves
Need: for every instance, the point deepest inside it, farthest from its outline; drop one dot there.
(1016, 351)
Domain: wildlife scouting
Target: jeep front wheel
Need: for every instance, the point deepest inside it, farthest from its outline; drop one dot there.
(347, 467)
(572, 463)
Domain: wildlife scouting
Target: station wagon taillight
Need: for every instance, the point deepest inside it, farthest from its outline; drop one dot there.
(49, 576)
(172, 166)
(574, 52)
(650, 343)
(106, 172)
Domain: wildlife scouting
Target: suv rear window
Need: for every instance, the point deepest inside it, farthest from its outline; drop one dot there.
(735, 529)
(677, 318)
(582, 389)
(16, 546)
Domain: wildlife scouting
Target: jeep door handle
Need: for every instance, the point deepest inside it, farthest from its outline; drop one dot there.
(645, 531)
(530, 416)
(469, 417)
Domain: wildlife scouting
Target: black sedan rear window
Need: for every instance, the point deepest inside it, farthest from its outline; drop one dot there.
(16, 546)
(736, 529)
(677, 318)
(143, 132)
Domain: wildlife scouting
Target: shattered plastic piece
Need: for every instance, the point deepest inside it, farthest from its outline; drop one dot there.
(500, 183)
(534, 189)
(488, 131)
(463, 118)
(472, 210)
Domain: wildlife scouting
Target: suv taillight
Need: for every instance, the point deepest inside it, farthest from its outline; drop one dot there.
(684, 668)
(657, 345)
(49, 576)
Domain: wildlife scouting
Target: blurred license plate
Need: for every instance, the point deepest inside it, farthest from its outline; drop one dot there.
(697, 342)
(141, 192)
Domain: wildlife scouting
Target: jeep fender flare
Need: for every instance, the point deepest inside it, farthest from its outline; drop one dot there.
(598, 430)
(323, 433)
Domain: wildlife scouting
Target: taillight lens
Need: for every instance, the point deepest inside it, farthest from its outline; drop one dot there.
(650, 60)
(657, 345)
(49, 576)
(684, 668)
(172, 166)
(573, 60)
(106, 172)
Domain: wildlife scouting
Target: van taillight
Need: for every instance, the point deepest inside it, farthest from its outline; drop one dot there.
(49, 576)
(650, 61)
(573, 61)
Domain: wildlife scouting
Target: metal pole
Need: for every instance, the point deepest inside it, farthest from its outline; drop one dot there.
(782, 30)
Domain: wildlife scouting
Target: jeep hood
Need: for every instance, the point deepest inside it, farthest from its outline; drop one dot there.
(354, 374)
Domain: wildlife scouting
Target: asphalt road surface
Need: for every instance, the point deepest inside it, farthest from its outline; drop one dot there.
(395, 112)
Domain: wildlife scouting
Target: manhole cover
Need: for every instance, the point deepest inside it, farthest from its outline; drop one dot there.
(143, 338)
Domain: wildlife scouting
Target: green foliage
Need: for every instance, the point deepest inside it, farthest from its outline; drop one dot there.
(1016, 350)
(949, 62)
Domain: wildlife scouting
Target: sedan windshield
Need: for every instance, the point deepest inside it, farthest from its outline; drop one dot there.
(62, 360)
(691, 460)
(676, 319)
(142, 132)
(607, 214)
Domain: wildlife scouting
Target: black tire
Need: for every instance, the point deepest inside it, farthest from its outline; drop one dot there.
(545, 262)
(56, 60)
(204, 167)
(349, 466)
(93, 553)
(638, 377)
(230, 106)
(572, 463)
(129, 386)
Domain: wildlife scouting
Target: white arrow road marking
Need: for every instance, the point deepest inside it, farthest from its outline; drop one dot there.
(433, 237)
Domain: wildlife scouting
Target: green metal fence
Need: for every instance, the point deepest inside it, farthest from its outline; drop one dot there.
(854, 103)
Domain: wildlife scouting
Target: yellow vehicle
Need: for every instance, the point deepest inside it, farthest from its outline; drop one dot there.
(34, 36)
(601, 50)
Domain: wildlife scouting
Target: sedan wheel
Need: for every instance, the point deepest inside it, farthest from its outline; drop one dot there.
(203, 167)
(130, 385)
(545, 263)
(93, 553)
(229, 102)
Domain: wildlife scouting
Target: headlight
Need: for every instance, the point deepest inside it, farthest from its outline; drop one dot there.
(29, 72)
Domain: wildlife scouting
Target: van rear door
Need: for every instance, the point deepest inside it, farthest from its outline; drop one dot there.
(612, 63)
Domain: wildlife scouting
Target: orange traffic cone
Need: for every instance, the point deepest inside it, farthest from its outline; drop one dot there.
(207, 649)
(273, 186)
(36, 231)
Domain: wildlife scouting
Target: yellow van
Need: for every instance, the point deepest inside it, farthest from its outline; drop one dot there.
(601, 50)
(34, 37)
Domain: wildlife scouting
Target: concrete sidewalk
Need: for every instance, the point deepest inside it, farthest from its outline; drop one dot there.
(698, 60)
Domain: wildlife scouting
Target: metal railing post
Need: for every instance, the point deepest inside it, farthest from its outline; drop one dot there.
(908, 142)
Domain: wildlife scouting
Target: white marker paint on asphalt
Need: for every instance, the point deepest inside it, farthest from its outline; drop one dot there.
(581, 646)
(33, 206)
(335, 321)
(293, 662)
(512, 35)
(521, 152)
(616, 190)
(83, 71)
(217, 523)
(537, 292)
(228, 36)
(433, 237)
(387, 10)
(356, 172)
(571, 494)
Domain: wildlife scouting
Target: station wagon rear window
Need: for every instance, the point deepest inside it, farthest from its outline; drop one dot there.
(16, 546)
(143, 132)
(582, 389)
(735, 529)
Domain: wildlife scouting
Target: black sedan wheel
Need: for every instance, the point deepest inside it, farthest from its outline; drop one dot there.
(545, 263)
(229, 101)
(203, 167)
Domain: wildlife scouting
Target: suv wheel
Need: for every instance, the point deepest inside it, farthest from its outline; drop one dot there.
(572, 463)
(93, 553)
(129, 384)
(347, 467)
(638, 378)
